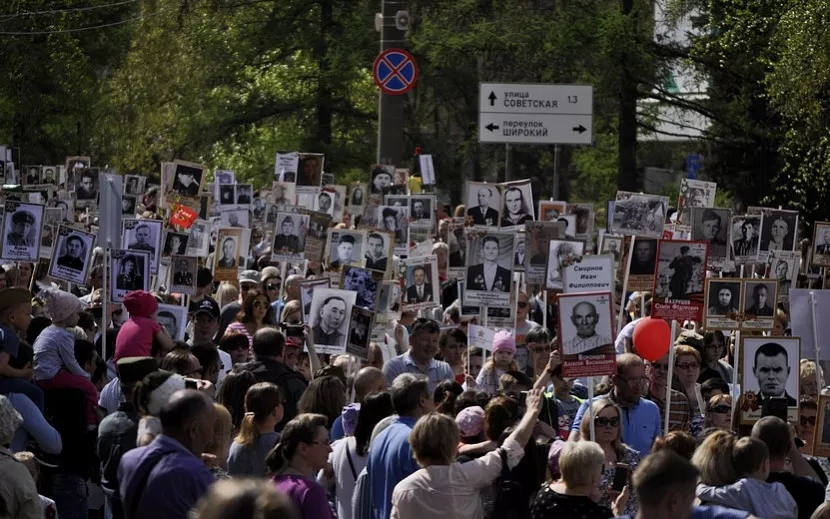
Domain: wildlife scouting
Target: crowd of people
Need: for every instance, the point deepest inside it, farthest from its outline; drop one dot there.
(111, 416)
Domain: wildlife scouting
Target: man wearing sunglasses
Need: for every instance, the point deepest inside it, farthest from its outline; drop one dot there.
(680, 412)
(641, 417)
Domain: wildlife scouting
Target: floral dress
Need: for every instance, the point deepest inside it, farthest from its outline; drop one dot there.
(632, 459)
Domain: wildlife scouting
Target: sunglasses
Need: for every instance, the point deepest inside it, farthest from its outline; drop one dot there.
(687, 365)
(604, 421)
(807, 420)
(271, 286)
(720, 409)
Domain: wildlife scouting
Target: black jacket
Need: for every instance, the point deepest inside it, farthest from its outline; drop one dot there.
(293, 384)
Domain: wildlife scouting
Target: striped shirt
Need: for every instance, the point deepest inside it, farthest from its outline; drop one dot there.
(680, 412)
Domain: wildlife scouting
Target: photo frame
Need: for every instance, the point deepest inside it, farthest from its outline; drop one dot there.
(517, 205)
(639, 215)
(712, 225)
(361, 323)
(290, 237)
(72, 258)
(821, 244)
(143, 236)
(769, 368)
(679, 281)
(22, 227)
(723, 301)
(746, 238)
(229, 247)
(561, 253)
(364, 283)
(356, 195)
(330, 313)
(538, 236)
(586, 338)
(130, 270)
(484, 203)
(694, 194)
(307, 289)
(183, 274)
(489, 251)
(423, 287)
(173, 318)
(345, 248)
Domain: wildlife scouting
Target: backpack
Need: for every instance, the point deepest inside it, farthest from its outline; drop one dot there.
(510, 501)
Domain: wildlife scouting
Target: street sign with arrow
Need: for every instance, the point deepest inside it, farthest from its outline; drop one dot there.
(535, 113)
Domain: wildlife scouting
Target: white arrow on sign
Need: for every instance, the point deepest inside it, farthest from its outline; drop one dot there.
(516, 98)
(535, 128)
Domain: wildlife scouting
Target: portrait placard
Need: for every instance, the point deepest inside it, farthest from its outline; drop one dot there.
(769, 369)
(364, 283)
(639, 215)
(360, 332)
(130, 270)
(226, 257)
(310, 169)
(612, 244)
(134, 185)
(584, 230)
(586, 326)
(188, 179)
(173, 318)
(537, 246)
(562, 253)
(143, 236)
(783, 266)
(73, 251)
(199, 241)
(183, 273)
(307, 289)
(517, 209)
(423, 288)
(345, 248)
(290, 237)
(489, 277)
(285, 167)
(356, 197)
(779, 231)
(394, 219)
(821, 244)
(86, 188)
(330, 312)
(746, 238)
(379, 248)
(381, 177)
(642, 264)
(483, 203)
(723, 299)
(759, 304)
(679, 281)
(422, 211)
(550, 211)
(694, 194)
(175, 243)
(22, 226)
(47, 240)
(712, 225)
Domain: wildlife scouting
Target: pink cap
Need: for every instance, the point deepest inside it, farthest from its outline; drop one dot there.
(470, 421)
(503, 341)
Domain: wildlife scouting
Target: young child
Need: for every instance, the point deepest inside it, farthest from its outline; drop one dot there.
(28, 460)
(504, 349)
(55, 364)
(256, 438)
(566, 403)
(15, 315)
(752, 493)
(135, 338)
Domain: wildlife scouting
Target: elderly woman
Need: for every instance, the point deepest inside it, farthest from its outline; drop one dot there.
(581, 465)
(445, 488)
(608, 418)
(687, 368)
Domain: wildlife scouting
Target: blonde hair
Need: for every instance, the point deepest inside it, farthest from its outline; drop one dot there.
(578, 461)
(714, 459)
(822, 512)
(244, 499)
(597, 406)
(715, 400)
(434, 440)
(226, 294)
(221, 434)
(290, 307)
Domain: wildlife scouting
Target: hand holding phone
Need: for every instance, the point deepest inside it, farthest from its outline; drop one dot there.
(621, 475)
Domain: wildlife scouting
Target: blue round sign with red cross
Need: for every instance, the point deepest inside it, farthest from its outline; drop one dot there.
(395, 71)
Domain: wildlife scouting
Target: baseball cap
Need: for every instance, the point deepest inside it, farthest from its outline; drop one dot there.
(208, 305)
(249, 276)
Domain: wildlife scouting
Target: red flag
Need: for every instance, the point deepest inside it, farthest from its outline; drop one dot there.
(183, 216)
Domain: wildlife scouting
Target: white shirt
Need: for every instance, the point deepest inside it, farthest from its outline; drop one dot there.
(451, 490)
(343, 476)
(490, 275)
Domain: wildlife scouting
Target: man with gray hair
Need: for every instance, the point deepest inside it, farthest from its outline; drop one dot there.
(390, 459)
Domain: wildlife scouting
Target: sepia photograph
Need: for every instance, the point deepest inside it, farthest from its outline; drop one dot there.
(360, 332)
(550, 211)
(310, 170)
(226, 257)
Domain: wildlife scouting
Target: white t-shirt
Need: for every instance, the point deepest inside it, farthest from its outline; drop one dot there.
(626, 333)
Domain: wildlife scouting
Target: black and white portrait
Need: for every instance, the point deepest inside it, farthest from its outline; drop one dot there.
(73, 249)
(143, 236)
(227, 194)
(198, 243)
(31, 175)
(770, 367)
(356, 197)
(47, 241)
(560, 254)
(49, 175)
(329, 314)
(821, 244)
(422, 284)
(364, 284)
(712, 226)
(22, 225)
(229, 248)
(724, 297)
(569, 220)
(173, 318)
(379, 246)
(778, 230)
(290, 237)
(611, 244)
(310, 170)
(324, 202)
(694, 194)
(586, 334)
(360, 332)
(236, 217)
(584, 214)
(759, 301)
(537, 244)
(175, 243)
(783, 267)
(644, 258)
(394, 220)
(483, 203)
(307, 289)
(183, 273)
(639, 215)
(134, 184)
(521, 251)
(518, 205)
(187, 179)
(381, 177)
(130, 271)
(345, 248)
(490, 268)
(244, 194)
(86, 187)
(128, 205)
(422, 211)
(681, 269)
(746, 232)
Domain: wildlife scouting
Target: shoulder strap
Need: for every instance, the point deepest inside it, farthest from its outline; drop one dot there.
(349, 457)
(505, 470)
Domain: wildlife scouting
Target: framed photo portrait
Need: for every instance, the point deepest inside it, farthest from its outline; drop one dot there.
(183, 273)
(73, 250)
(175, 243)
(290, 237)
(694, 194)
(679, 280)
(130, 270)
(769, 369)
(639, 215)
(422, 211)
(611, 244)
(783, 267)
(310, 170)
(143, 236)
(330, 312)
(360, 332)
(307, 289)
(821, 244)
(759, 300)
(550, 211)
(235, 217)
(226, 257)
(517, 209)
(188, 178)
(134, 185)
(489, 277)
(537, 244)
(244, 194)
(379, 250)
(643, 264)
(346, 248)
(423, 287)
(356, 197)
(723, 301)
(712, 225)
(779, 230)
(381, 177)
(586, 339)
(173, 318)
(560, 254)
(227, 194)
(22, 224)
(483, 203)
(746, 232)
(86, 188)
(365, 283)
(128, 205)
(394, 219)
(199, 240)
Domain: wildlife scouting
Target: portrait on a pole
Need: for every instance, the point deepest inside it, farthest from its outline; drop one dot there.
(723, 301)
(769, 370)
(71, 260)
(517, 208)
(712, 225)
(129, 271)
(586, 334)
(22, 224)
(639, 215)
(679, 280)
(489, 275)
(330, 312)
(746, 238)
(483, 203)
(143, 236)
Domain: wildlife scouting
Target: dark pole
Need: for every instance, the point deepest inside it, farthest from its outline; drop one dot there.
(391, 107)
(627, 173)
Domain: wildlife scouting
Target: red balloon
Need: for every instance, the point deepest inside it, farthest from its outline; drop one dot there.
(652, 338)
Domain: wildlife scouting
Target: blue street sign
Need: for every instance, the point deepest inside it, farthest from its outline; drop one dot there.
(693, 164)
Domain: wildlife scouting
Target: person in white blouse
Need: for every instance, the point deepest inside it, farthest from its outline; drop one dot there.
(446, 488)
